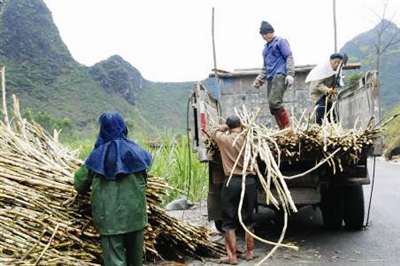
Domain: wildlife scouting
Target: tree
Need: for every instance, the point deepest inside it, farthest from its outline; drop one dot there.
(387, 36)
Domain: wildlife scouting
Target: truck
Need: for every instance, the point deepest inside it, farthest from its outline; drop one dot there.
(338, 194)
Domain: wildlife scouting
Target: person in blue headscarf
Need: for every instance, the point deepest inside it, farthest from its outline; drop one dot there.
(116, 174)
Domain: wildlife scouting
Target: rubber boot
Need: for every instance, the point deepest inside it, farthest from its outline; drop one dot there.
(283, 120)
(249, 245)
(280, 126)
(231, 248)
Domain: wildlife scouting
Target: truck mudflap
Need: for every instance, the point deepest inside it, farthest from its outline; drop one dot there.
(216, 180)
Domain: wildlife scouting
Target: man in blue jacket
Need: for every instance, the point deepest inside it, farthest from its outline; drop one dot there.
(278, 71)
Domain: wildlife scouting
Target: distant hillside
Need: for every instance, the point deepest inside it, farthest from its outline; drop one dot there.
(362, 49)
(57, 91)
(51, 85)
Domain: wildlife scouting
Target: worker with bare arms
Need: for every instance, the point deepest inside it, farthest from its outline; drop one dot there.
(230, 143)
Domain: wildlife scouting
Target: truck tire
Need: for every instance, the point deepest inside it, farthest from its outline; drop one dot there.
(353, 215)
(332, 207)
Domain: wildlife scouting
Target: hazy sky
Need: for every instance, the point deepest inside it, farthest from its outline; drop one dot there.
(172, 40)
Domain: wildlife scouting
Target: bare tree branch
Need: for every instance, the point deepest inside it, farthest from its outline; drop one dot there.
(382, 45)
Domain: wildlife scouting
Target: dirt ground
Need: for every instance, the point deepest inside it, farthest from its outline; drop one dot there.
(197, 215)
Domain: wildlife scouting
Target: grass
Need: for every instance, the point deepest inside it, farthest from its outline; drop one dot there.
(174, 161)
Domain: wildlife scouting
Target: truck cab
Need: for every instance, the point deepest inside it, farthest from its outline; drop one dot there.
(338, 194)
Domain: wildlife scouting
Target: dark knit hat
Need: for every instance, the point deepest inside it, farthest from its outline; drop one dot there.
(266, 27)
(233, 121)
(336, 55)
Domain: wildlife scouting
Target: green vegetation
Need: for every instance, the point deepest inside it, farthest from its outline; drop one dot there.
(362, 49)
(174, 161)
(165, 104)
(391, 132)
(353, 78)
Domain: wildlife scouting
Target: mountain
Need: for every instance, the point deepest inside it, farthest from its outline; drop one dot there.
(57, 91)
(362, 48)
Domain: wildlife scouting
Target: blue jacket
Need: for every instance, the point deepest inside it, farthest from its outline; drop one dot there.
(275, 54)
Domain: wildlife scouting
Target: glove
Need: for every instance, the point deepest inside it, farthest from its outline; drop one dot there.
(332, 91)
(257, 83)
(289, 81)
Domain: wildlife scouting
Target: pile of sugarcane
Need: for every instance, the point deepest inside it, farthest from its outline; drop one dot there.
(329, 143)
(43, 221)
(308, 140)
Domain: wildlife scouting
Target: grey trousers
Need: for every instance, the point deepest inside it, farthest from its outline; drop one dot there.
(276, 88)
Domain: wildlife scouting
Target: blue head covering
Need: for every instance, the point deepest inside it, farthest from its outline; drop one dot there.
(336, 55)
(113, 153)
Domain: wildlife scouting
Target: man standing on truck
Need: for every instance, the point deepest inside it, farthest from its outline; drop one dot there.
(230, 143)
(278, 71)
(322, 79)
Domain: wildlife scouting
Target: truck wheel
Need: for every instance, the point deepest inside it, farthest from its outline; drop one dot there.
(332, 207)
(354, 207)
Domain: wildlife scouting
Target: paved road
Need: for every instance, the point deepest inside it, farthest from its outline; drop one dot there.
(377, 244)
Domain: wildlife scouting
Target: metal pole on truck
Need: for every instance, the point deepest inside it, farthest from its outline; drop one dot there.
(334, 26)
(215, 58)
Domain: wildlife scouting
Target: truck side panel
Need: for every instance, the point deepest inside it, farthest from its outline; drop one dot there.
(360, 105)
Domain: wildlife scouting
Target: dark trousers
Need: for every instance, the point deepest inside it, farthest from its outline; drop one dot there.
(124, 249)
(230, 197)
(323, 108)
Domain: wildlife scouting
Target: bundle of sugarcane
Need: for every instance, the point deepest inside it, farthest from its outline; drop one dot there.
(311, 141)
(36, 177)
(44, 221)
(166, 233)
